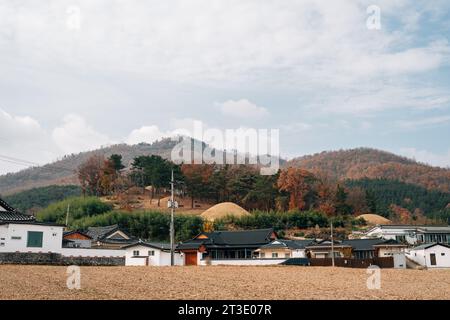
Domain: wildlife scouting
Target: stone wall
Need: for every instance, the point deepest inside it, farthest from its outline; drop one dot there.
(57, 259)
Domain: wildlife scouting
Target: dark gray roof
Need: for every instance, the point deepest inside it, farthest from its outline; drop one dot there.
(230, 239)
(155, 245)
(102, 233)
(363, 244)
(9, 214)
(429, 245)
(290, 244)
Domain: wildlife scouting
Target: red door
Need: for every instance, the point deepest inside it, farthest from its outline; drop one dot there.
(190, 258)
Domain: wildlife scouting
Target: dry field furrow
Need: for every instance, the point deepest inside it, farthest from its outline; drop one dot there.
(224, 283)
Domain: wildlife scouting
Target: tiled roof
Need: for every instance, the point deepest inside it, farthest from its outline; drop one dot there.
(9, 214)
(155, 245)
(99, 233)
(363, 244)
(290, 244)
(249, 238)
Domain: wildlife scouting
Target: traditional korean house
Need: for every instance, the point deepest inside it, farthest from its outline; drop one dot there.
(109, 237)
(225, 247)
(22, 233)
(76, 239)
(284, 249)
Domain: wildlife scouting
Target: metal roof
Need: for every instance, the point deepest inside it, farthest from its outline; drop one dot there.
(429, 245)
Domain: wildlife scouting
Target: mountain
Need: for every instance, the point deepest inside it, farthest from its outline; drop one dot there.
(63, 172)
(369, 163)
(341, 165)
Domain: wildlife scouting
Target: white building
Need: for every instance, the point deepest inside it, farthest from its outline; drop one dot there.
(150, 254)
(433, 255)
(283, 249)
(22, 233)
(411, 234)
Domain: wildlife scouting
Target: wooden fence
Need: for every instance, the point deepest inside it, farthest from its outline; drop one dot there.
(384, 262)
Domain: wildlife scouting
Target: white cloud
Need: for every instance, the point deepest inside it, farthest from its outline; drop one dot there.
(76, 135)
(147, 134)
(242, 109)
(440, 160)
(425, 122)
(22, 138)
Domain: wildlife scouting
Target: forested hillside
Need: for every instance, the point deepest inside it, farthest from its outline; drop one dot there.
(385, 196)
(374, 164)
(63, 172)
(31, 201)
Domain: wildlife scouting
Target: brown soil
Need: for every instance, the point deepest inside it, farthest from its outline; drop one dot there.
(227, 283)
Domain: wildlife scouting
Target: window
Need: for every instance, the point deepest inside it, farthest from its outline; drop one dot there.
(274, 255)
(16, 238)
(55, 234)
(442, 254)
(35, 239)
(151, 253)
(2, 244)
(262, 255)
(136, 253)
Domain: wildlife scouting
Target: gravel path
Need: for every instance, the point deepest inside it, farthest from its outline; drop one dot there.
(225, 283)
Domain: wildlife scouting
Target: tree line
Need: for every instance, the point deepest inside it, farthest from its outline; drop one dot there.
(289, 189)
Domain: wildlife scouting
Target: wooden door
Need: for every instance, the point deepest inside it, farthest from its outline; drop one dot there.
(433, 259)
(190, 258)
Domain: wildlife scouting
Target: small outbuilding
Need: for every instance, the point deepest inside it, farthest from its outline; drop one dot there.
(433, 255)
(150, 254)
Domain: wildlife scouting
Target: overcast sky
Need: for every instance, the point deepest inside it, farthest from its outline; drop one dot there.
(76, 75)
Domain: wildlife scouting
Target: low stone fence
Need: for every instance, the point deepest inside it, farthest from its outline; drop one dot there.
(382, 262)
(57, 259)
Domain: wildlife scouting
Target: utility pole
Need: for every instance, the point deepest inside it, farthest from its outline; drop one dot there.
(67, 214)
(172, 226)
(332, 245)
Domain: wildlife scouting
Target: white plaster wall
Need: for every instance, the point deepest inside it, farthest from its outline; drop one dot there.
(3, 236)
(160, 258)
(417, 256)
(423, 256)
(51, 241)
(298, 253)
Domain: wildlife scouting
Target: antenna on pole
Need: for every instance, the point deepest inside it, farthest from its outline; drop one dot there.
(332, 245)
(67, 214)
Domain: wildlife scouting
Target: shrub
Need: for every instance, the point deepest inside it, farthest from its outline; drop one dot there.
(79, 207)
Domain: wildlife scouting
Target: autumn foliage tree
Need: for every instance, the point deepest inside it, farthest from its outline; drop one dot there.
(298, 183)
(99, 176)
(90, 175)
(196, 179)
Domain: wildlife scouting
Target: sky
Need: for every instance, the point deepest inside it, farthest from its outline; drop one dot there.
(77, 75)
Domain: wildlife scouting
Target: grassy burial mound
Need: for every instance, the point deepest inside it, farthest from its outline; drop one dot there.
(222, 210)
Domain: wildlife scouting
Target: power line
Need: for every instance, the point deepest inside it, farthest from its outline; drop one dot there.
(27, 163)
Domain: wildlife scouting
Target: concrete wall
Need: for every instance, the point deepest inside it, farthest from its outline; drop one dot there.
(57, 259)
(16, 236)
